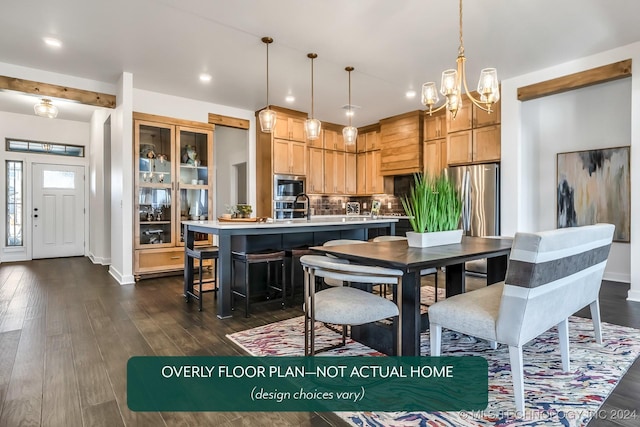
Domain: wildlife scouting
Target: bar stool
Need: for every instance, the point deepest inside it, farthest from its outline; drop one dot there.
(268, 257)
(294, 255)
(202, 253)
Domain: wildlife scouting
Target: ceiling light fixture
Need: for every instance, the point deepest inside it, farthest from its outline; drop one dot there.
(312, 126)
(267, 117)
(290, 98)
(50, 41)
(410, 94)
(452, 84)
(204, 77)
(349, 133)
(45, 108)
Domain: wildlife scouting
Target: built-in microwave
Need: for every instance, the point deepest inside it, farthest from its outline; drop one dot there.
(287, 187)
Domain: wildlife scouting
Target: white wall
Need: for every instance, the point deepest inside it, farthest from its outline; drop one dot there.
(189, 109)
(121, 267)
(230, 150)
(520, 178)
(99, 252)
(35, 128)
(569, 122)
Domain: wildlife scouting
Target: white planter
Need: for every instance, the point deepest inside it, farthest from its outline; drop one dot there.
(436, 238)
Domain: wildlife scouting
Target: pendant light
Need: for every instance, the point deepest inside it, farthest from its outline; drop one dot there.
(349, 133)
(45, 108)
(455, 81)
(312, 125)
(267, 116)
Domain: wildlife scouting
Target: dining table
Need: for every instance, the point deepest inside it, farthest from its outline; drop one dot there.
(411, 260)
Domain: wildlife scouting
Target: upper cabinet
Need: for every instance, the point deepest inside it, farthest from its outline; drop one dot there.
(435, 126)
(289, 128)
(289, 157)
(474, 135)
(401, 139)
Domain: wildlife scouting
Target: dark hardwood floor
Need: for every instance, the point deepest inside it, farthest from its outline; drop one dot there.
(67, 330)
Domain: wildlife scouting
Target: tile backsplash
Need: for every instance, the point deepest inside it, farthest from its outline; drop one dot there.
(332, 205)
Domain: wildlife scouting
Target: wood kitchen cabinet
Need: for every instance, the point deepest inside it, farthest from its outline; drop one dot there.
(284, 151)
(460, 147)
(486, 144)
(289, 157)
(374, 181)
(289, 127)
(464, 117)
(361, 173)
(315, 171)
(478, 143)
(401, 139)
(350, 172)
(173, 181)
(435, 126)
(334, 172)
(435, 156)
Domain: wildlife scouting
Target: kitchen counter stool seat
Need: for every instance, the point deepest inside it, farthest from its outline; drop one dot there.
(202, 253)
(266, 256)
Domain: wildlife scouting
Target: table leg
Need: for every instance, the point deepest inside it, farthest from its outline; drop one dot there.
(225, 285)
(189, 241)
(496, 269)
(411, 314)
(455, 277)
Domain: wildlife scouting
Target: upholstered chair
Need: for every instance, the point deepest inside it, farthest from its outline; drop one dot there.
(344, 305)
(550, 276)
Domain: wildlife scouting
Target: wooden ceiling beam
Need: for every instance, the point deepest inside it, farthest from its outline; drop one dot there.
(606, 73)
(233, 122)
(54, 91)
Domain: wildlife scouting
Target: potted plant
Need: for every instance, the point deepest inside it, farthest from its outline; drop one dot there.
(244, 211)
(434, 207)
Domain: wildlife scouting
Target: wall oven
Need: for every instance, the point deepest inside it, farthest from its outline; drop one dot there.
(285, 190)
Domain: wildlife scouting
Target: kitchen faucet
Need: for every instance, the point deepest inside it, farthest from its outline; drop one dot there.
(301, 195)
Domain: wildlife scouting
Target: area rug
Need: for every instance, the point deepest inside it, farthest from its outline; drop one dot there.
(553, 398)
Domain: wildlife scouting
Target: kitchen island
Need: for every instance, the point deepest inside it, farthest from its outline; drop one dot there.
(279, 235)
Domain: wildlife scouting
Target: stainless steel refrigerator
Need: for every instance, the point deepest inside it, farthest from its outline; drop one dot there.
(479, 187)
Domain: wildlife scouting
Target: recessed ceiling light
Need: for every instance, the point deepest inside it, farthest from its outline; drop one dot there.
(349, 112)
(410, 94)
(290, 98)
(50, 41)
(204, 77)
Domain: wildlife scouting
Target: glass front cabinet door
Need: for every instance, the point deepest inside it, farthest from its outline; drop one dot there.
(195, 151)
(154, 182)
(173, 183)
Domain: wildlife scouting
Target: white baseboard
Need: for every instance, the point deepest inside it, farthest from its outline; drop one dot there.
(633, 295)
(617, 277)
(120, 278)
(99, 260)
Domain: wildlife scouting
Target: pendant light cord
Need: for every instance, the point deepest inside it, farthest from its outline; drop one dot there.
(461, 48)
(312, 115)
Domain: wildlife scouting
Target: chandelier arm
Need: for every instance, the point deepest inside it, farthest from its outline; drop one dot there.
(432, 110)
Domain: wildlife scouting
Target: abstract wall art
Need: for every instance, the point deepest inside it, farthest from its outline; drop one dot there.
(593, 186)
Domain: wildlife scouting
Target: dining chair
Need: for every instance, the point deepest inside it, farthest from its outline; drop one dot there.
(550, 276)
(338, 242)
(423, 272)
(344, 305)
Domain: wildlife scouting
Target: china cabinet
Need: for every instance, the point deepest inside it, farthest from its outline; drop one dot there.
(173, 179)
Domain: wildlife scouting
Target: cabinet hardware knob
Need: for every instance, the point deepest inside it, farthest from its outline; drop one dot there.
(175, 257)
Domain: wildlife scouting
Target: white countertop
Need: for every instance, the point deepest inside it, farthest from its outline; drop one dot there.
(318, 220)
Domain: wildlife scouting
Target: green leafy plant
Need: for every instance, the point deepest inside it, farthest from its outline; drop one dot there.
(433, 204)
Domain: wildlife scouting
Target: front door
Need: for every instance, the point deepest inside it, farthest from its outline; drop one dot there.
(57, 210)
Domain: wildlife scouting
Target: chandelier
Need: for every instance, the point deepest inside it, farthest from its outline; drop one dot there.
(267, 117)
(45, 108)
(312, 125)
(349, 133)
(453, 81)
